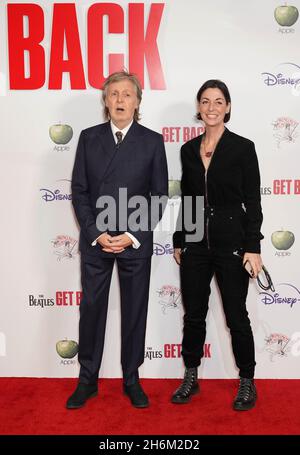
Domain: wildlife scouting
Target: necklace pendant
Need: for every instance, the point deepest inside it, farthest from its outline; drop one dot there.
(208, 154)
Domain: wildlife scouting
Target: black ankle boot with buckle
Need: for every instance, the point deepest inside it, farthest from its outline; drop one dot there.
(246, 396)
(188, 387)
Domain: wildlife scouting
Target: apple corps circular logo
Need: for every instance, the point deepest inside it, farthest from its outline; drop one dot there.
(286, 15)
(282, 240)
(174, 188)
(61, 134)
(67, 349)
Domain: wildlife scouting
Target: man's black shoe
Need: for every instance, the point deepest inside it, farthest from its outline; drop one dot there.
(188, 387)
(246, 396)
(82, 393)
(136, 394)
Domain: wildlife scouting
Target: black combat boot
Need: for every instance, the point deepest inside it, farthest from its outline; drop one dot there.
(188, 387)
(246, 396)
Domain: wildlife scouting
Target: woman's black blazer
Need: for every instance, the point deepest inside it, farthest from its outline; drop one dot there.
(231, 190)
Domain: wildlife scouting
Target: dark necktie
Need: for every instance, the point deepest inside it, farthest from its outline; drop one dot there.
(119, 135)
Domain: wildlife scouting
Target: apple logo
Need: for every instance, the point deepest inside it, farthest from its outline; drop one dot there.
(282, 240)
(67, 349)
(174, 188)
(286, 15)
(61, 134)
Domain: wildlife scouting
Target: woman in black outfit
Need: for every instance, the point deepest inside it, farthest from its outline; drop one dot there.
(223, 168)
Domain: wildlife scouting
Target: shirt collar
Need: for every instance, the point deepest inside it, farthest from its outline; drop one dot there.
(124, 131)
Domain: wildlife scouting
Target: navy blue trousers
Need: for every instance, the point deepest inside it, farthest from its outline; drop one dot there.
(134, 277)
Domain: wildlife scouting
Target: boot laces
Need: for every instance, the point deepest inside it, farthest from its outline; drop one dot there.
(188, 381)
(245, 389)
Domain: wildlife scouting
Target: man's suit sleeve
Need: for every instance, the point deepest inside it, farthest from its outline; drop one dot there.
(158, 187)
(159, 178)
(81, 195)
(178, 235)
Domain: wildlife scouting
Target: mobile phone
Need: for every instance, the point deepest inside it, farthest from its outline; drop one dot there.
(248, 268)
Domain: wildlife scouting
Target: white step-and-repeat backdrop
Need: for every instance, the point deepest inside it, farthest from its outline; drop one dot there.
(53, 59)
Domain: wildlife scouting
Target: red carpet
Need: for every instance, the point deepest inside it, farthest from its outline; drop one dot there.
(34, 406)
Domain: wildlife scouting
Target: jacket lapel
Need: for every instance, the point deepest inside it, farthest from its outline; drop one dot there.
(112, 156)
(106, 149)
(125, 150)
(131, 137)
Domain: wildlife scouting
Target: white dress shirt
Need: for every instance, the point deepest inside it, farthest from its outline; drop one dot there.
(136, 244)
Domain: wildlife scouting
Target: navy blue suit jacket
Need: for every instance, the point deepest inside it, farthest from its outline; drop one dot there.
(100, 169)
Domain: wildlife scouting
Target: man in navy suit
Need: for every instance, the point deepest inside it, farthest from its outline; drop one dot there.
(116, 162)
